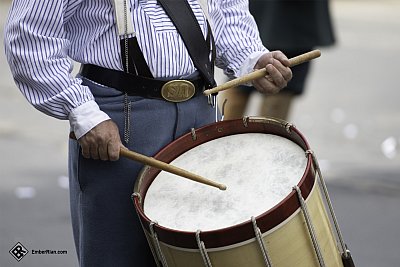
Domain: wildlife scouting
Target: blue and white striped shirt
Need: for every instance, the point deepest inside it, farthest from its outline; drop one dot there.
(41, 38)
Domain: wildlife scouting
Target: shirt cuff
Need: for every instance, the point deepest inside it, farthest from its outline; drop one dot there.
(248, 65)
(85, 117)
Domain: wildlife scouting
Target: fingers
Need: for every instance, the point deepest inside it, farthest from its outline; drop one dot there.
(103, 152)
(278, 55)
(277, 79)
(102, 142)
(92, 149)
(276, 76)
(283, 69)
(85, 149)
(279, 74)
(113, 151)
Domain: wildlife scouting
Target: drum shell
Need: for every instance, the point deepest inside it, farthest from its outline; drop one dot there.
(288, 244)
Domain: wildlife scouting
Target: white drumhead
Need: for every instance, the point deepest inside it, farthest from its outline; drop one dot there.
(258, 169)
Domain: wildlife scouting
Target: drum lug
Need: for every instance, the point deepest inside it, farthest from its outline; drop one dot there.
(245, 121)
(193, 133)
(136, 195)
(288, 127)
(203, 250)
(310, 226)
(261, 244)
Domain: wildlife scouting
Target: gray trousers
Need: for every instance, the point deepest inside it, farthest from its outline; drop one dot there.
(106, 229)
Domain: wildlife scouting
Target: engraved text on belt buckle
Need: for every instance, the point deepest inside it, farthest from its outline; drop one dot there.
(178, 90)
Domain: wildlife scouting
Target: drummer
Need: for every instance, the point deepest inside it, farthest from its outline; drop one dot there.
(128, 51)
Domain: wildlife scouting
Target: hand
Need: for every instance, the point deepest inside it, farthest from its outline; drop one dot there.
(102, 142)
(279, 73)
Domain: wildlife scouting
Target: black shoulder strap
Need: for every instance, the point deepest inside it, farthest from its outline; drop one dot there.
(136, 62)
(187, 25)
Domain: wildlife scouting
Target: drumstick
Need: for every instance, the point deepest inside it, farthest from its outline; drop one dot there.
(262, 72)
(124, 152)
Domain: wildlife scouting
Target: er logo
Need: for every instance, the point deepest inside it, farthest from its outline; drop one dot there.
(18, 251)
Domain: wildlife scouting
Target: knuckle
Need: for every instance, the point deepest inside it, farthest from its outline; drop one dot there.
(85, 154)
(113, 156)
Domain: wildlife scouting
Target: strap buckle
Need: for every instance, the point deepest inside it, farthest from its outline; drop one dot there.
(178, 90)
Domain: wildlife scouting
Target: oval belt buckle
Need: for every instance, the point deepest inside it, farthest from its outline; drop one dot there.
(178, 90)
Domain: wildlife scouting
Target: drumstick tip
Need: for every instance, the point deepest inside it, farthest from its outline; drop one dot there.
(222, 187)
(316, 52)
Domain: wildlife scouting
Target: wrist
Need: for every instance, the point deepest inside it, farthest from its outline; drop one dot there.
(85, 117)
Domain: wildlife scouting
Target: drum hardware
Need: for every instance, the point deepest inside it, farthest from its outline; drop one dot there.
(211, 99)
(156, 242)
(203, 250)
(223, 109)
(262, 72)
(271, 120)
(193, 133)
(213, 102)
(288, 126)
(136, 194)
(346, 256)
(261, 244)
(245, 120)
(348, 261)
(310, 226)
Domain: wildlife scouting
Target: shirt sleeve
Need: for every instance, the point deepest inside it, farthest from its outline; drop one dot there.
(36, 47)
(236, 35)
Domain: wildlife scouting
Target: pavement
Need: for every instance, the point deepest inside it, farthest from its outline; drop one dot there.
(349, 114)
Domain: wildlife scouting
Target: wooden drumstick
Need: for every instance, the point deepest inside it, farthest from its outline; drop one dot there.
(262, 72)
(124, 152)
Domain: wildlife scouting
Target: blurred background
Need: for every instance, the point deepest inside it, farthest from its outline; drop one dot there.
(349, 114)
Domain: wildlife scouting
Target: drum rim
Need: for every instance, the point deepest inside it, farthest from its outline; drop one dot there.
(240, 232)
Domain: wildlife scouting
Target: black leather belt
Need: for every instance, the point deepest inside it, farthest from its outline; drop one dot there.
(173, 90)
